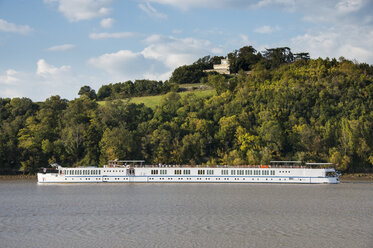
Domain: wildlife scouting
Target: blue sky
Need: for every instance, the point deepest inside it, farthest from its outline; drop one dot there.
(53, 47)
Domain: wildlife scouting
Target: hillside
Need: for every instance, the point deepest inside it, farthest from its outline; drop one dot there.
(153, 101)
(317, 110)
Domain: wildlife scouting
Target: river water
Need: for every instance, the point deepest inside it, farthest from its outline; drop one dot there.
(185, 215)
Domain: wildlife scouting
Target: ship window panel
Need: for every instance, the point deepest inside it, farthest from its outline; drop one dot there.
(233, 172)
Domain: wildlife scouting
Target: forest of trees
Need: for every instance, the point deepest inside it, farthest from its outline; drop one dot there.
(127, 89)
(288, 107)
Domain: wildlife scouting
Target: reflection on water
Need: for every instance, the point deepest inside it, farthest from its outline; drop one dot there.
(185, 215)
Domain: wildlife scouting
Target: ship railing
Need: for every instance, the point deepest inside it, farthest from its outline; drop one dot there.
(125, 163)
(273, 164)
(221, 166)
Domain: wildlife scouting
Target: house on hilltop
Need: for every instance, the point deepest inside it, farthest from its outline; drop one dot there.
(222, 68)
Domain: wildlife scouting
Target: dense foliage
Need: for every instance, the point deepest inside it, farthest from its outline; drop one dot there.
(129, 89)
(309, 110)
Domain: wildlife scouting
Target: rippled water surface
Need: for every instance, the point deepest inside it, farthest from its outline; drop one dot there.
(185, 215)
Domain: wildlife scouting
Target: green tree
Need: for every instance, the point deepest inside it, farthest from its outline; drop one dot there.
(81, 132)
(86, 90)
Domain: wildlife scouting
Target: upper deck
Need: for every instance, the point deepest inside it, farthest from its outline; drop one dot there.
(273, 164)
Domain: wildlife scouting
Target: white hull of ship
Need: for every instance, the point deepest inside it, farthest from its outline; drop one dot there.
(59, 178)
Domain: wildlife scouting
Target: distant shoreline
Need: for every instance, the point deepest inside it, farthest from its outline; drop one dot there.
(343, 178)
(356, 177)
(17, 177)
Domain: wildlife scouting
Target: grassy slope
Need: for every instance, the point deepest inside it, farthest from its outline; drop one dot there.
(153, 101)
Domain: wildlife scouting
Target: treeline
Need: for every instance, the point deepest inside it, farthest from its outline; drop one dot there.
(309, 110)
(129, 89)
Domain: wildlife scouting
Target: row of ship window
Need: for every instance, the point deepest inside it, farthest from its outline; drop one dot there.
(223, 172)
(87, 172)
(217, 179)
(82, 172)
(180, 178)
(183, 172)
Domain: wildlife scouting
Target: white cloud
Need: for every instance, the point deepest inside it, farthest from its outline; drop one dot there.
(151, 11)
(46, 81)
(266, 29)
(97, 36)
(77, 10)
(347, 6)
(248, 4)
(10, 77)
(124, 65)
(13, 28)
(156, 61)
(315, 10)
(350, 42)
(44, 69)
(173, 51)
(107, 22)
(63, 47)
(187, 4)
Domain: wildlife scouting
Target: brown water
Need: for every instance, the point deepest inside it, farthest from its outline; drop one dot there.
(185, 215)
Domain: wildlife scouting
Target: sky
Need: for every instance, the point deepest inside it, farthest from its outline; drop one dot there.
(54, 47)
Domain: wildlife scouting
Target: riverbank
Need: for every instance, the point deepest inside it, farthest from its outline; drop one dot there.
(356, 177)
(17, 177)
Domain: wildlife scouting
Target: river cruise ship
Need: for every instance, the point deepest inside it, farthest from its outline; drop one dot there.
(135, 171)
